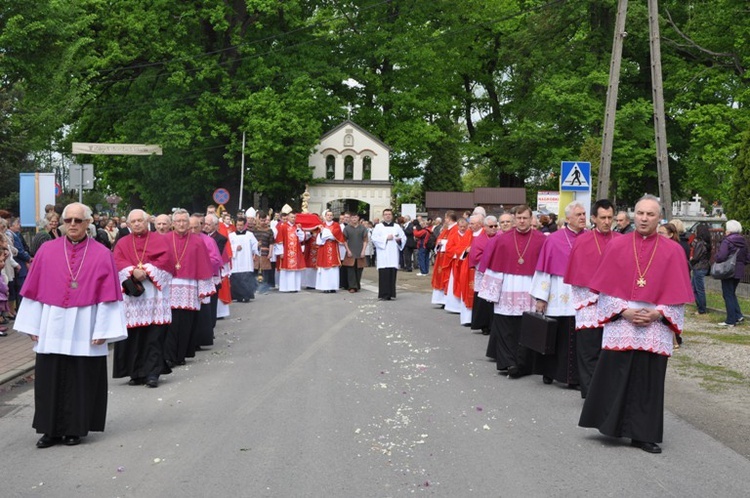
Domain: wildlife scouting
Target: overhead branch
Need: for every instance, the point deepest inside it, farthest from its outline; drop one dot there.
(736, 63)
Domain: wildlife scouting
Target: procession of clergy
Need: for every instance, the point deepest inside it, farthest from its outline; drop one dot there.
(617, 300)
(157, 297)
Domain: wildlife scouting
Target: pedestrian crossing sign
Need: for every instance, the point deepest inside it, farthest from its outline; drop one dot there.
(576, 176)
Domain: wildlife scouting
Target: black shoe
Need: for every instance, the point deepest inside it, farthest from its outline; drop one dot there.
(181, 363)
(169, 363)
(546, 380)
(71, 440)
(647, 447)
(485, 331)
(47, 441)
(513, 372)
(152, 382)
(138, 381)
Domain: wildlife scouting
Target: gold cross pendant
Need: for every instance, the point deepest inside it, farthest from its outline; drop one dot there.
(641, 282)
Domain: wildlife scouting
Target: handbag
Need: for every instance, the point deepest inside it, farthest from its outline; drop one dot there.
(725, 269)
(538, 332)
(132, 287)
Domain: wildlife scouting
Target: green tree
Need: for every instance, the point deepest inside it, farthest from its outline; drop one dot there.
(738, 206)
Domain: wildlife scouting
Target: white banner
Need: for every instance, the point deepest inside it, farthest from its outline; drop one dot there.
(116, 149)
(549, 200)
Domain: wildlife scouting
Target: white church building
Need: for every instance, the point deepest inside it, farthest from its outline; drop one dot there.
(355, 168)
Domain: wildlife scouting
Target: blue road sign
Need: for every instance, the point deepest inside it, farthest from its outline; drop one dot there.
(576, 176)
(221, 196)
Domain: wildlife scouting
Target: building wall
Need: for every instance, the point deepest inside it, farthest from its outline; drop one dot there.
(377, 196)
(350, 141)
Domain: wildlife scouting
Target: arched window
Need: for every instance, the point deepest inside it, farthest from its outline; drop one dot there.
(367, 168)
(330, 167)
(349, 168)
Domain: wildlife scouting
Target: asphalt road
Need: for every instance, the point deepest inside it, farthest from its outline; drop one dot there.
(341, 395)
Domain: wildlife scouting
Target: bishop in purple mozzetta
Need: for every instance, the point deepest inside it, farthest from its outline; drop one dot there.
(71, 308)
(554, 297)
(643, 286)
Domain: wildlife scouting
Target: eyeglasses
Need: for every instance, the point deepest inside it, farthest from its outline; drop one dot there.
(491, 226)
(71, 221)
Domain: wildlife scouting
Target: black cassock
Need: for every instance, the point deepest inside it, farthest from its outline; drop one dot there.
(70, 394)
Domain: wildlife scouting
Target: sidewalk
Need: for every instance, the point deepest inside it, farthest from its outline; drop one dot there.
(16, 356)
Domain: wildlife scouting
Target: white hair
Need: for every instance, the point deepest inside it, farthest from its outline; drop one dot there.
(490, 220)
(570, 207)
(87, 214)
(145, 214)
(211, 218)
(734, 226)
(480, 210)
(179, 211)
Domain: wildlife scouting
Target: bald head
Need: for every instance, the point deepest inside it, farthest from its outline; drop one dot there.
(162, 223)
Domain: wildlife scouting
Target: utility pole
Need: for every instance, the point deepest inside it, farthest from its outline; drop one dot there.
(660, 127)
(242, 171)
(605, 162)
(660, 131)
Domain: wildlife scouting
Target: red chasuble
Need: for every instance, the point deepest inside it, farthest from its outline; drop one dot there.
(439, 282)
(659, 277)
(457, 245)
(328, 253)
(311, 251)
(292, 259)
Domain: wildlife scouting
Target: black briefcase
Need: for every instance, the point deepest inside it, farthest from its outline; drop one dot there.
(538, 332)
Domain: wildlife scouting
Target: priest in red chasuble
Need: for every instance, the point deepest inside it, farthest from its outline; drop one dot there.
(328, 259)
(439, 275)
(456, 253)
(291, 262)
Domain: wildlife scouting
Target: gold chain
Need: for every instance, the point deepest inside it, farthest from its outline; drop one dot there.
(598, 248)
(520, 255)
(641, 282)
(74, 279)
(143, 256)
(174, 244)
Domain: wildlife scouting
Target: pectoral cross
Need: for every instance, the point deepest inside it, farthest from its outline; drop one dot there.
(641, 282)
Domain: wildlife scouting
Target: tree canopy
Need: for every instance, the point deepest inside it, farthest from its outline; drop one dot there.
(475, 93)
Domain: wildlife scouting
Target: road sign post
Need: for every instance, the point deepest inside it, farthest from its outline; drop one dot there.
(575, 184)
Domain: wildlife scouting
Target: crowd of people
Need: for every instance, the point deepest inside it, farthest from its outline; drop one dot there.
(616, 293)
(155, 286)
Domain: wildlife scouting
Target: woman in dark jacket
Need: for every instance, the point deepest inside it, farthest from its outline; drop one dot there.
(733, 242)
(700, 263)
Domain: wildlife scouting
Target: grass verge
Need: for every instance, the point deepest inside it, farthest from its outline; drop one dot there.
(713, 378)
